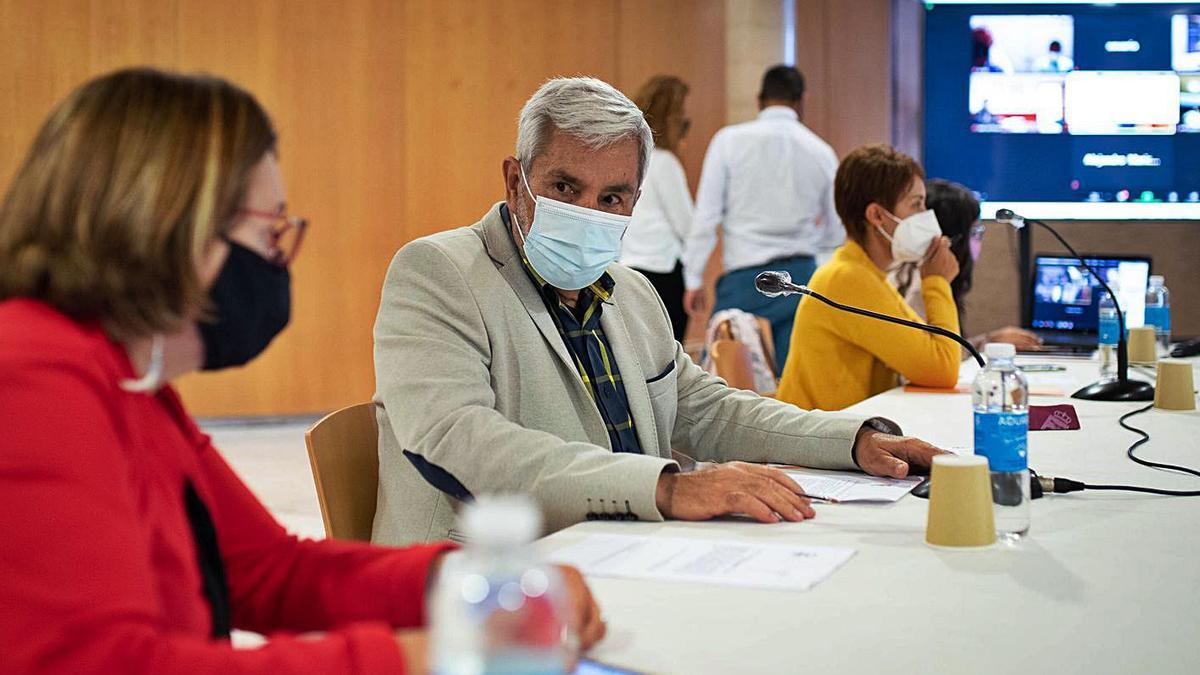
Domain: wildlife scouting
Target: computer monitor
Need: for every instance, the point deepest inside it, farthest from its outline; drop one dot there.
(1066, 110)
(1064, 297)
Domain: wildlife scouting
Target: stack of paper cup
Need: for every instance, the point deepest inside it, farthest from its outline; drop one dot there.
(960, 503)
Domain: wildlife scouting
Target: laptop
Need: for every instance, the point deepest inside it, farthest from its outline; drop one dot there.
(1064, 299)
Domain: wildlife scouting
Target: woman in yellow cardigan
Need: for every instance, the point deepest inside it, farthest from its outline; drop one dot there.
(838, 359)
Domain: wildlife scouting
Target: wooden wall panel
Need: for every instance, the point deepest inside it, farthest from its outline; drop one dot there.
(36, 73)
(130, 32)
(394, 118)
(861, 73)
(470, 67)
(332, 81)
(843, 47)
(814, 59)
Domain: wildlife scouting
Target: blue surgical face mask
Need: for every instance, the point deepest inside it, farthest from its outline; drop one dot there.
(570, 246)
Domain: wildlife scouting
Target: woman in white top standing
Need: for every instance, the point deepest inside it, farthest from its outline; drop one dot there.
(653, 244)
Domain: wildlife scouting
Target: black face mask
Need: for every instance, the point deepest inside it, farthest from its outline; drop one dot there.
(251, 304)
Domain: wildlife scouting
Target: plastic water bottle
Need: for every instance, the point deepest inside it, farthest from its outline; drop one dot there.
(1158, 313)
(497, 608)
(1110, 332)
(1000, 398)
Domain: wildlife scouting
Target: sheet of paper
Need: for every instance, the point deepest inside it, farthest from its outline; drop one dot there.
(852, 487)
(721, 562)
(1050, 384)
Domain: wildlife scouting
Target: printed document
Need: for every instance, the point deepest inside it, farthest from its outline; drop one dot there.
(722, 562)
(851, 487)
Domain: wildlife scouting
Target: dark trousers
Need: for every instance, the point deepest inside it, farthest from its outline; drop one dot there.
(735, 290)
(670, 289)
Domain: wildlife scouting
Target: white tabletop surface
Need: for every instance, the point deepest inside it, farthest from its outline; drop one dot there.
(1105, 583)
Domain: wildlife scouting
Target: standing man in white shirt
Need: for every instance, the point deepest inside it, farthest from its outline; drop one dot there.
(768, 184)
(653, 243)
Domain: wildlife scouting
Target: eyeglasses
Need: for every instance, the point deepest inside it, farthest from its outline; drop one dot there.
(285, 237)
(975, 234)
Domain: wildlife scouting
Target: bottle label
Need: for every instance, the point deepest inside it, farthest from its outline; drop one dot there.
(1108, 331)
(1159, 317)
(1002, 438)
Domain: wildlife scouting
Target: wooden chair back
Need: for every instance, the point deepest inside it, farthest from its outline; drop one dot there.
(343, 449)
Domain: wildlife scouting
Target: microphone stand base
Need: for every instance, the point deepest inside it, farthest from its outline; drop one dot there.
(1117, 390)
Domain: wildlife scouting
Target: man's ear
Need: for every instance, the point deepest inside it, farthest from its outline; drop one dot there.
(513, 185)
(511, 169)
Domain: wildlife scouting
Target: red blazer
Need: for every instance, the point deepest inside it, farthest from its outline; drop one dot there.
(98, 562)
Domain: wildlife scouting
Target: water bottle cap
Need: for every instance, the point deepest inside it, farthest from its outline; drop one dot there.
(501, 520)
(1156, 279)
(1000, 350)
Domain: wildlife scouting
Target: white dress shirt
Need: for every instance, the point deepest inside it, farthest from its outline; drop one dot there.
(661, 218)
(769, 183)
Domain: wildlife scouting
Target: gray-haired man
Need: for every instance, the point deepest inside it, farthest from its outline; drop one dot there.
(515, 355)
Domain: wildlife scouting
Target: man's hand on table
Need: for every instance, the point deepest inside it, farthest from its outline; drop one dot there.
(761, 492)
(883, 454)
(768, 494)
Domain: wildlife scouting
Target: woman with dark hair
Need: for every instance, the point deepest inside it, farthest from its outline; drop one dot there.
(146, 236)
(653, 243)
(957, 212)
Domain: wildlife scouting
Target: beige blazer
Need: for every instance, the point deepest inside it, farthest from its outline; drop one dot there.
(473, 377)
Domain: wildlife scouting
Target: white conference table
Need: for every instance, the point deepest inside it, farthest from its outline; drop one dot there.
(1106, 582)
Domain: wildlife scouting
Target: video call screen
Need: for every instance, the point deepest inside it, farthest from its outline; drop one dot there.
(1067, 110)
(1067, 297)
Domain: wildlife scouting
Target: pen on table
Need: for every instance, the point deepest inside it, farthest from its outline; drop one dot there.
(830, 500)
(1041, 368)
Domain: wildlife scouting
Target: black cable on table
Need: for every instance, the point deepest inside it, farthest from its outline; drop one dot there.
(1062, 485)
(1144, 438)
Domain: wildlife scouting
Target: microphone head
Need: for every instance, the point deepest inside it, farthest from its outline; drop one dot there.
(773, 284)
(1007, 216)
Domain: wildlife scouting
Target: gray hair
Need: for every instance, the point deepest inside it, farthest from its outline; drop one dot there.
(588, 109)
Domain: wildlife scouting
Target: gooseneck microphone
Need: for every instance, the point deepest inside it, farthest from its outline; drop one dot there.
(1122, 388)
(775, 284)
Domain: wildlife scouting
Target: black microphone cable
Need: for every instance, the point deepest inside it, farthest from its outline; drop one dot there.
(895, 319)
(1064, 485)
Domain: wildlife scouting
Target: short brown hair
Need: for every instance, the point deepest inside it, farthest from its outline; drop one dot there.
(661, 101)
(129, 180)
(876, 174)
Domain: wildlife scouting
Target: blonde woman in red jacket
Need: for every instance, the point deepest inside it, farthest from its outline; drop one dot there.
(145, 236)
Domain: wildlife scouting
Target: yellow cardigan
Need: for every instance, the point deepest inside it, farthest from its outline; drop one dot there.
(838, 359)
